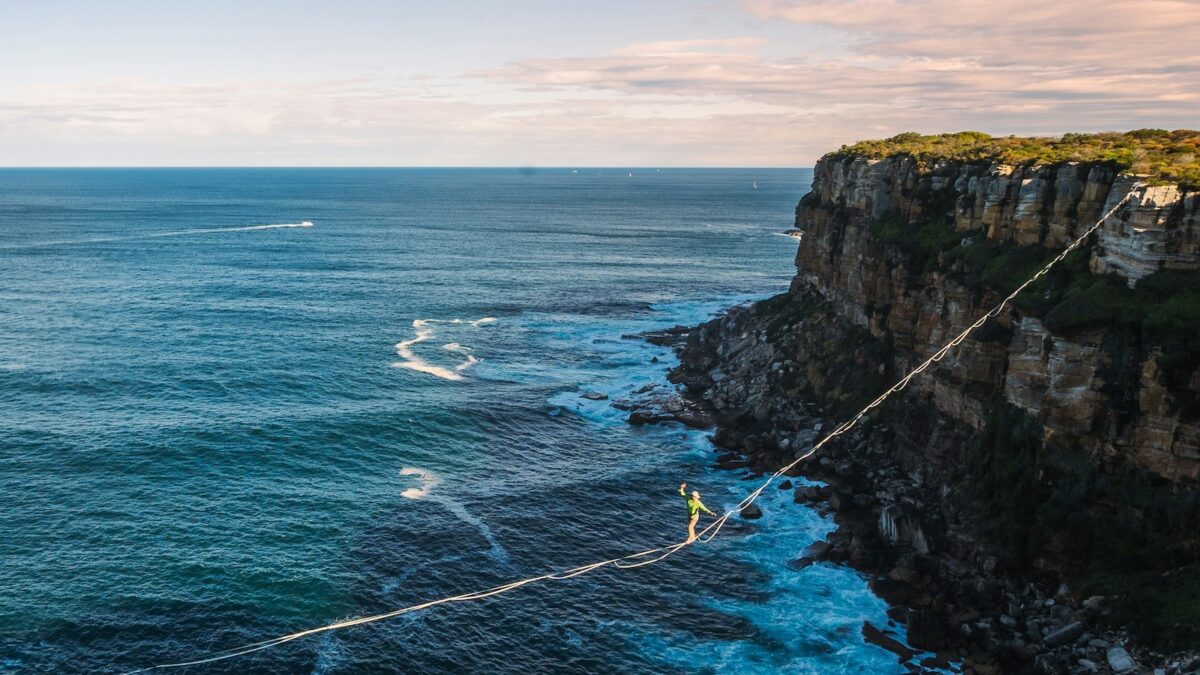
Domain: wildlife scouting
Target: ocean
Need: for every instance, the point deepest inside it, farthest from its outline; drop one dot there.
(237, 403)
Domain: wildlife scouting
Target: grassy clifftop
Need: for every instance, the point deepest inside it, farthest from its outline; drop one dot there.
(1165, 156)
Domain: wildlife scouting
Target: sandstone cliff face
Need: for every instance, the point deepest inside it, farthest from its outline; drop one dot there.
(1066, 381)
(1057, 448)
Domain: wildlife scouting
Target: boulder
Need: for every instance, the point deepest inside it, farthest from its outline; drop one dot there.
(641, 417)
(810, 493)
(908, 576)
(1119, 660)
(669, 337)
(925, 630)
(752, 512)
(894, 592)
(817, 550)
(840, 502)
(1051, 663)
(800, 563)
(877, 637)
(695, 418)
(1065, 635)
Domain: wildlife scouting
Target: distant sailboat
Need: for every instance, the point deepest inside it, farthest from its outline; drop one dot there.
(631, 174)
(755, 185)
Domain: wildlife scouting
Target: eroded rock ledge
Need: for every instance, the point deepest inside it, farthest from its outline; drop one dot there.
(1033, 498)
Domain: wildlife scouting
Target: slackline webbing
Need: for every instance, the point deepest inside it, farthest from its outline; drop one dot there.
(654, 555)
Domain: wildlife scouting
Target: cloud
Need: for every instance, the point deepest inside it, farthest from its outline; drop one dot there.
(1031, 33)
(690, 47)
(832, 72)
(1023, 66)
(376, 122)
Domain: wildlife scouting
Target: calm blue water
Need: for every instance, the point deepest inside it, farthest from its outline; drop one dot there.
(206, 426)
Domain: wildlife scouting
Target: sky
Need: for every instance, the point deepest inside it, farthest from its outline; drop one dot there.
(567, 83)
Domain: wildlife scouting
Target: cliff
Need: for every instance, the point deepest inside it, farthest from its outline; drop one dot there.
(904, 250)
(1059, 444)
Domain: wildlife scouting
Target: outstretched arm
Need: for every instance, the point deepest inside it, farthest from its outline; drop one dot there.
(682, 488)
(705, 509)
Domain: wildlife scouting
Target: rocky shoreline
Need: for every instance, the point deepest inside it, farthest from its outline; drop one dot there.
(1031, 502)
(953, 597)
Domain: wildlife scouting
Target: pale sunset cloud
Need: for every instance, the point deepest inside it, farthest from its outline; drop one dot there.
(767, 83)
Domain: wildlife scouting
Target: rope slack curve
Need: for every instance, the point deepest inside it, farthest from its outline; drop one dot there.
(654, 555)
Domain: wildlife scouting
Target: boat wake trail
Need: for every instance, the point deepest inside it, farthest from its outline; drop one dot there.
(247, 228)
(423, 329)
(157, 235)
(430, 480)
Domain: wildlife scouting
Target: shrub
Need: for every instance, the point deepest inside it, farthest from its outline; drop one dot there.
(1122, 527)
(921, 241)
(1164, 156)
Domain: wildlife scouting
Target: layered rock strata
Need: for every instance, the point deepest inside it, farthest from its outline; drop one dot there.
(1060, 379)
(1052, 447)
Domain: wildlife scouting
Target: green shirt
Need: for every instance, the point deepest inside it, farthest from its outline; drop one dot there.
(694, 505)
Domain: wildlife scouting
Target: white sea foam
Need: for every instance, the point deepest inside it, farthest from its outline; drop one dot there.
(430, 480)
(836, 600)
(423, 330)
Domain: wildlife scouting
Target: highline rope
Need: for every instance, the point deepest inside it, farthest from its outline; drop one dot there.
(654, 555)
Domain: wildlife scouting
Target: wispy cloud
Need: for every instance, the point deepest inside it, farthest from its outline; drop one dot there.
(752, 96)
(1023, 66)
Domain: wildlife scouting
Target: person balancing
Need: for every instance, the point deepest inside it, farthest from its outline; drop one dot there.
(694, 507)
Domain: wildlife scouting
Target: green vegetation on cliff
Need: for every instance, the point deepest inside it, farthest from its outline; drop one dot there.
(1165, 156)
(920, 241)
(1131, 534)
(1162, 310)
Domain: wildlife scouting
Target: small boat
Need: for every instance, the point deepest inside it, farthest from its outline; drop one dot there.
(755, 185)
(306, 223)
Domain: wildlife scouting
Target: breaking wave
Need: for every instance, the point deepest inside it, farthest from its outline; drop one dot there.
(424, 330)
(429, 480)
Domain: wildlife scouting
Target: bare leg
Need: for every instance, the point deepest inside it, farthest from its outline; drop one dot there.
(692, 527)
